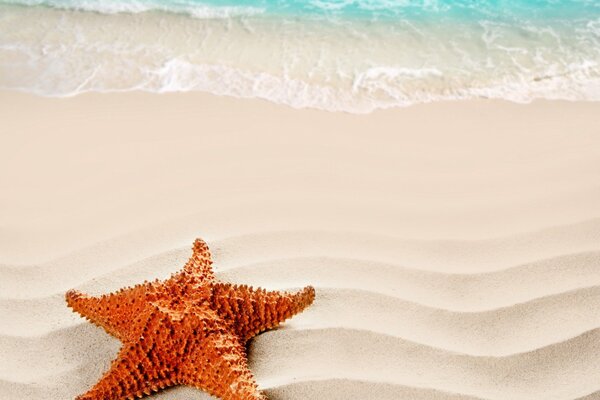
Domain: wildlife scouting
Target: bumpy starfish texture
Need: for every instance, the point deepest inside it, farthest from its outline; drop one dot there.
(187, 330)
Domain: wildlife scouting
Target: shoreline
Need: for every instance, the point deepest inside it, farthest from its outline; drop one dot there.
(345, 65)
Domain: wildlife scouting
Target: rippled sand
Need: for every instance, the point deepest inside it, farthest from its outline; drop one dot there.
(455, 247)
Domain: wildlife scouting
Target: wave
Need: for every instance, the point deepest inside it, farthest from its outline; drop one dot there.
(374, 9)
(192, 8)
(335, 65)
(379, 88)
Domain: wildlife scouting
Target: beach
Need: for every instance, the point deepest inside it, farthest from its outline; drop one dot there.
(454, 246)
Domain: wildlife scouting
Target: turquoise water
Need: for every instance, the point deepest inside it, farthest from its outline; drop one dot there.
(374, 10)
(343, 55)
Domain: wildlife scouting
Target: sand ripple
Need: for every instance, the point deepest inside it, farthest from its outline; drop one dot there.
(508, 318)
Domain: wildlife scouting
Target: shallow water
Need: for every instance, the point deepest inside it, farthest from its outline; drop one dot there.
(353, 56)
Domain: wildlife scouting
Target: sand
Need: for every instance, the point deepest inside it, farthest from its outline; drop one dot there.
(455, 247)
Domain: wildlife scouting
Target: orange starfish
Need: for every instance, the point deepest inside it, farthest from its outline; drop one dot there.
(187, 330)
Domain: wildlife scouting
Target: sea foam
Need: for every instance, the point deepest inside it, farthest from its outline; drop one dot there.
(192, 8)
(326, 55)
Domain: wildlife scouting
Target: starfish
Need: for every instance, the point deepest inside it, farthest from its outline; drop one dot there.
(190, 329)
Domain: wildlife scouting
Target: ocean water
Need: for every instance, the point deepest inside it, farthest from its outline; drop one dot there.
(337, 55)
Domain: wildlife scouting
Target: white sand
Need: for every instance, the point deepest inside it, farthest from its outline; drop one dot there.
(455, 247)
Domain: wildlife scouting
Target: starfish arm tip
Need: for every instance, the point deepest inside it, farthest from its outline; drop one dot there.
(310, 291)
(304, 297)
(200, 243)
(72, 296)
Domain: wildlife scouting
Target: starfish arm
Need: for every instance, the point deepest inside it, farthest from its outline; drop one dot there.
(146, 363)
(114, 311)
(255, 310)
(199, 266)
(218, 365)
(200, 263)
(132, 375)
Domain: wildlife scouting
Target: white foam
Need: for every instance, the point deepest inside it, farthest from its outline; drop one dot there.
(138, 6)
(177, 75)
(287, 62)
